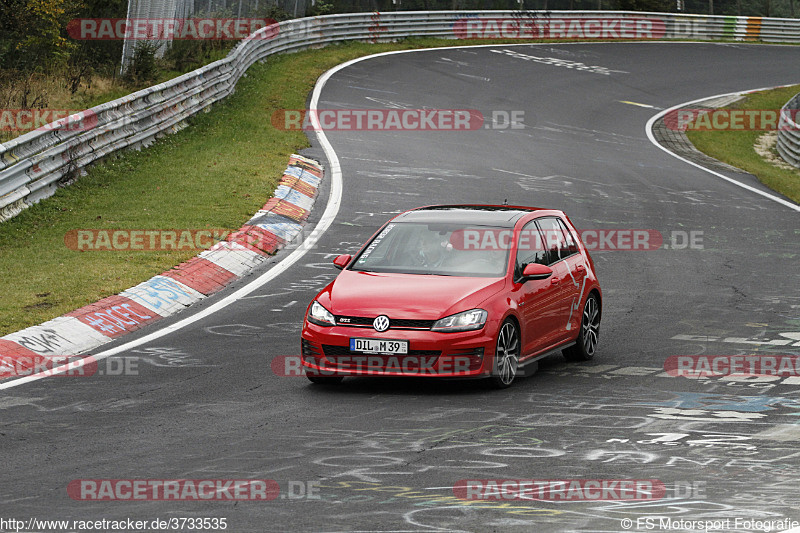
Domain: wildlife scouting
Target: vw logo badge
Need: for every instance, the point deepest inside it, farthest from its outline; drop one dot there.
(381, 323)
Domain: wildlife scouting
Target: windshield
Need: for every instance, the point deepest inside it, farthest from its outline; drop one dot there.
(418, 248)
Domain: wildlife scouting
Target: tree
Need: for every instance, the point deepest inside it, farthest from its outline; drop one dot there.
(38, 34)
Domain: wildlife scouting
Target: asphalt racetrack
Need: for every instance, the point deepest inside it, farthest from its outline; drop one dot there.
(384, 455)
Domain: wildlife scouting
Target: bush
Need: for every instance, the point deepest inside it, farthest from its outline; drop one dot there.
(144, 64)
(320, 7)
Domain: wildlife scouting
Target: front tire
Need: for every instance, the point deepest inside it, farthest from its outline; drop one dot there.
(586, 344)
(506, 358)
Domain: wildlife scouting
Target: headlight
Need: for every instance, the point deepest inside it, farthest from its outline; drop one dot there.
(320, 316)
(466, 321)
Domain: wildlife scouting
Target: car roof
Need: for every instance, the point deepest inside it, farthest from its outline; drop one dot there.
(504, 216)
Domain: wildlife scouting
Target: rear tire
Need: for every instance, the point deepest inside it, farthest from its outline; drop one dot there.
(586, 344)
(506, 358)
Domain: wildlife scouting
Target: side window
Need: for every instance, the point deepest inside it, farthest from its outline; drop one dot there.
(553, 239)
(530, 248)
(571, 247)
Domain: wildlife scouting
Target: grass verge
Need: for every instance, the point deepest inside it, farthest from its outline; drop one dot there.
(214, 174)
(735, 147)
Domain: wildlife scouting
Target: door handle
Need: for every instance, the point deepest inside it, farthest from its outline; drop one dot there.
(580, 268)
(553, 281)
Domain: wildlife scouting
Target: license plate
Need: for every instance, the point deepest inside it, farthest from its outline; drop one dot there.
(379, 346)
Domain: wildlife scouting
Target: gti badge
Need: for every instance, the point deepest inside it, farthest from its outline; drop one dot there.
(381, 323)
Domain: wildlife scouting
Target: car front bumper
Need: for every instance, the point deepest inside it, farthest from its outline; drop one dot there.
(326, 352)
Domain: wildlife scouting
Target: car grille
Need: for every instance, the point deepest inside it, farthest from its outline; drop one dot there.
(394, 323)
(330, 350)
(343, 357)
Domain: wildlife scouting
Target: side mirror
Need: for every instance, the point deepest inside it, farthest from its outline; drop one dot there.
(341, 261)
(536, 271)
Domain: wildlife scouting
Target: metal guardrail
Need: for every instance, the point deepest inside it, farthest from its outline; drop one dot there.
(33, 165)
(789, 132)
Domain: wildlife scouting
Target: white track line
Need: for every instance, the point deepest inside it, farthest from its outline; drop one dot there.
(649, 131)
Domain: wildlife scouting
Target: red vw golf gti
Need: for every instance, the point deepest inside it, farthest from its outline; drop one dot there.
(456, 291)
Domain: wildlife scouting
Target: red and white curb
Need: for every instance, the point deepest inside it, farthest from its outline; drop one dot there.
(277, 223)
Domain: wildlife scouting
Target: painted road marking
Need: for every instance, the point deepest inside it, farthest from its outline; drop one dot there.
(639, 105)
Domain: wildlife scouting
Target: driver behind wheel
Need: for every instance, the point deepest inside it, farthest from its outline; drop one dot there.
(432, 249)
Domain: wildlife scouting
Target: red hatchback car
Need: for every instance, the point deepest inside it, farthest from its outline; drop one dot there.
(456, 291)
